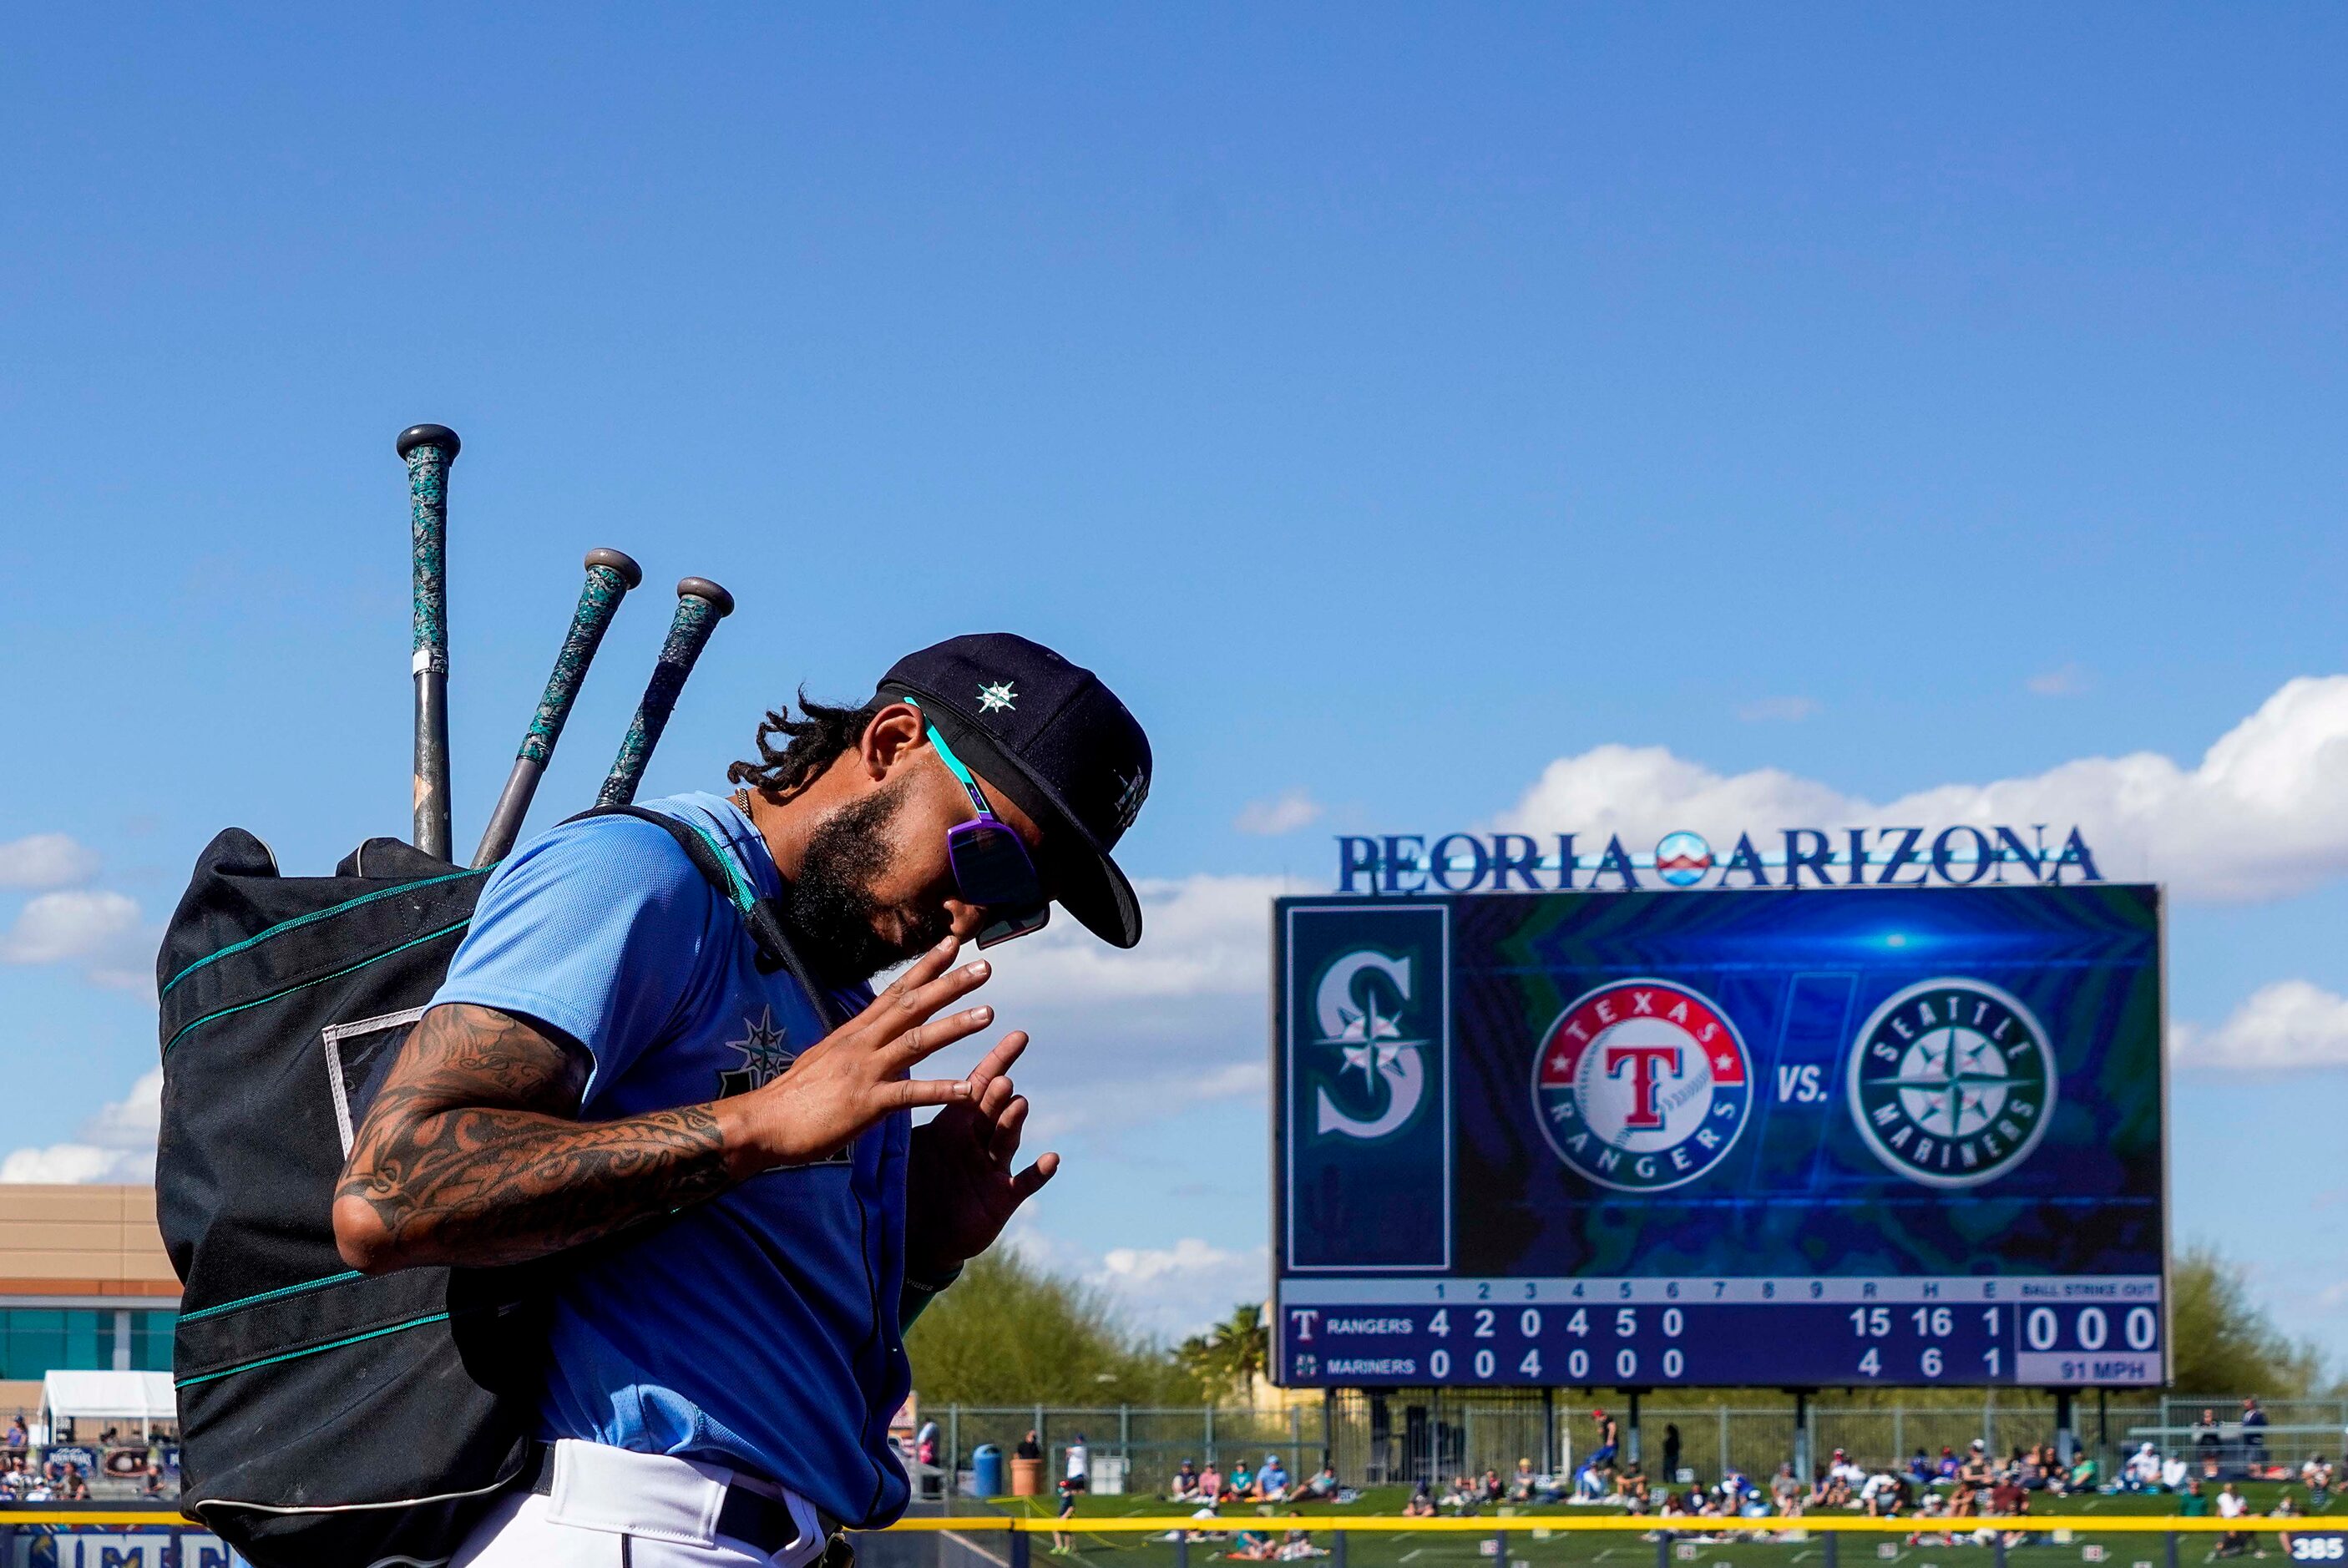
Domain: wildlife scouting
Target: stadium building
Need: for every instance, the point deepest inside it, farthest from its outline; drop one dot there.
(85, 1285)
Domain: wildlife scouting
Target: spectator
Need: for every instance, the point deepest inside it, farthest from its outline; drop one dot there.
(2316, 1476)
(16, 1431)
(1271, 1482)
(152, 1485)
(1949, 1465)
(2254, 1436)
(1240, 1488)
(2286, 1507)
(1324, 1487)
(1879, 1495)
(1028, 1448)
(1061, 1540)
(1631, 1486)
(2142, 1471)
(2195, 1503)
(2172, 1473)
(1296, 1545)
(2205, 1440)
(1080, 1461)
(1974, 1468)
(2083, 1474)
(1609, 1441)
(1421, 1504)
(1185, 1485)
(1211, 1484)
(1671, 1454)
(1522, 1485)
(2231, 1505)
(1841, 1469)
(1921, 1472)
(1490, 1489)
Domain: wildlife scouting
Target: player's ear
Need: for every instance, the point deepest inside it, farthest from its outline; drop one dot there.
(895, 733)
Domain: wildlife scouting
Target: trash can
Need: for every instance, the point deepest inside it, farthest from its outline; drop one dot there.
(1026, 1477)
(986, 1470)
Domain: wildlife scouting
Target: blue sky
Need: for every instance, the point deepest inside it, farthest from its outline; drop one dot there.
(1402, 407)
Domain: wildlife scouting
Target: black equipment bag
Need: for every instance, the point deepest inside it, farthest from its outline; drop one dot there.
(329, 1418)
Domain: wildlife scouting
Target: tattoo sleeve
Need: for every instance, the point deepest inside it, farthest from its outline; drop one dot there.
(471, 1154)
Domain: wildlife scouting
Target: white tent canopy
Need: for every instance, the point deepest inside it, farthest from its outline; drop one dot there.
(141, 1396)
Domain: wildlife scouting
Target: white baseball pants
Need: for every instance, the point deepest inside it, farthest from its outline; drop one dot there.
(614, 1508)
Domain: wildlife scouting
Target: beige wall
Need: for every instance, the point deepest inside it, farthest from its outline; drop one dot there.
(81, 1241)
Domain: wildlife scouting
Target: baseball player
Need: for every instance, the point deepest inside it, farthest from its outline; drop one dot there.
(608, 1063)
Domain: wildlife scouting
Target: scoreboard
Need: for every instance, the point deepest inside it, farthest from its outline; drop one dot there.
(1905, 1136)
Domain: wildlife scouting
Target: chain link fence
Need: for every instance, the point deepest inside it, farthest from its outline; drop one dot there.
(1404, 1436)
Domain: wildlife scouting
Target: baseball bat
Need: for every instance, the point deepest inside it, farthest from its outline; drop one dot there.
(429, 451)
(610, 575)
(700, 605)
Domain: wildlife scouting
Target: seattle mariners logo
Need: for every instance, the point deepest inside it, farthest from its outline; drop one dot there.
(1953, 1082)
(1359, 1004)
(1642, 1085)
(765, 1057)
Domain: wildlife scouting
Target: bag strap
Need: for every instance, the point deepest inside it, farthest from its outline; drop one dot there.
(765, 924)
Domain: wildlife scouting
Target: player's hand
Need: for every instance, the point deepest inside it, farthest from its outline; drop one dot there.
(963, 1183)
(860, 1072)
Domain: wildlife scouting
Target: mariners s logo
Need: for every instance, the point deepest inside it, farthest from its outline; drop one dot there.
(1362, 1007)
(767, 1055)
(1952, 1082)
(1642, 1085)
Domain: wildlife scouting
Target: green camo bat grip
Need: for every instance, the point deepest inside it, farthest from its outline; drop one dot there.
(610, 574)
(700, 605)
(429, 451)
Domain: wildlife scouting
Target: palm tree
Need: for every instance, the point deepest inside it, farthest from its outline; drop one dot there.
(1228, 1357)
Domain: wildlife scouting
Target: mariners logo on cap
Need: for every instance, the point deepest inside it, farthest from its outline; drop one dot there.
(1952, 1082)
(1642, 1085)
(998, 698)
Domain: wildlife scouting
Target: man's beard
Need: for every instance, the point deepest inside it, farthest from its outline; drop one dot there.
(829, 907)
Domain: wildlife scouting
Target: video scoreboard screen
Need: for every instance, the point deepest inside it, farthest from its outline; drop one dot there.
(1898, 1136)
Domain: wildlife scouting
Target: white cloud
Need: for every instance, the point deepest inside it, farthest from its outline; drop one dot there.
(2263, 815)
(117, 1144)
(2290, 1024)
(1100, 1107)
(1203, 935)
(1171, 1291)
(1285, 814)
(58, 927)
(2067, 680)
(1787, 709)
(46, 860)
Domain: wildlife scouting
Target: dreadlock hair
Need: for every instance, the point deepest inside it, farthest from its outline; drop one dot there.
(812, 741)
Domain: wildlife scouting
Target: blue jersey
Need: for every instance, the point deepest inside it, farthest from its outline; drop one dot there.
(757, 1330)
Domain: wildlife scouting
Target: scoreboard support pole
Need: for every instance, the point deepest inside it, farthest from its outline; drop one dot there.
(2066, 1436)
(1631, 1444)
(1802, 1457)
(1549, 1431)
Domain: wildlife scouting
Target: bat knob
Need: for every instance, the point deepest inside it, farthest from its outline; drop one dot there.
(703, 588)
(619, 561)
(439, 435)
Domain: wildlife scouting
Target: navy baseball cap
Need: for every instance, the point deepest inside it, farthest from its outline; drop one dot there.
(1050, 735)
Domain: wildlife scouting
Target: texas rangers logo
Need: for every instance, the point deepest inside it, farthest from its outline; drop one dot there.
(1360, 1006)
(1952, 1082)
(1642, 1085)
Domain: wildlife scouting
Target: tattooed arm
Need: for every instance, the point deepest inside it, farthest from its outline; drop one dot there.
(472, 1153)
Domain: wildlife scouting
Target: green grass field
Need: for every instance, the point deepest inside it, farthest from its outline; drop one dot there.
(1534, 1542)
